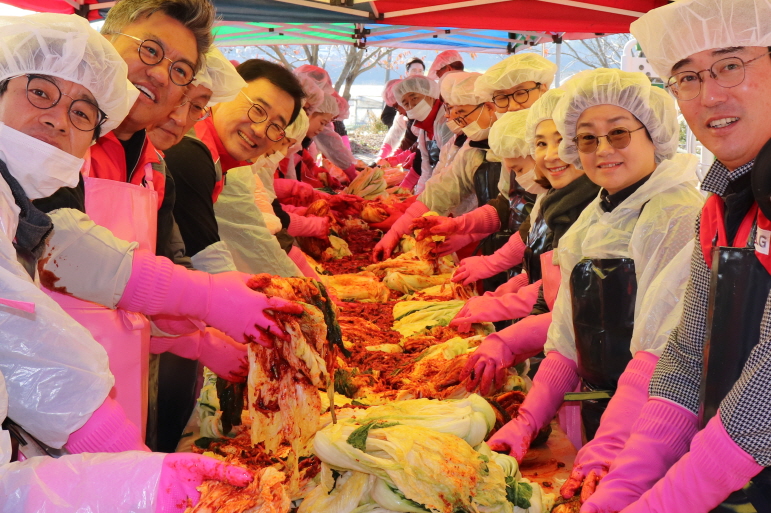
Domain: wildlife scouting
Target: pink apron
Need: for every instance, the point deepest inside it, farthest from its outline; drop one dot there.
(130, 212)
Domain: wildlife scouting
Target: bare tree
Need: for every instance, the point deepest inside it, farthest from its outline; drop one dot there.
(601, 52)
(358, 61)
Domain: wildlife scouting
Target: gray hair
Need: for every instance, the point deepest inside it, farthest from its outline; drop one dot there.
(197, 15)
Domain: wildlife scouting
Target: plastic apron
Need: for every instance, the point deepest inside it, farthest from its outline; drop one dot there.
(538, 243)
(603, 295)
(131, 213)
(738, 290)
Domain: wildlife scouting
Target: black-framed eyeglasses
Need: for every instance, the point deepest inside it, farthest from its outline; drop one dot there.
(619, 138)
(521, 96)
(728, 72)
(461, 120)
(258, 114)
(196, 112)
(151, 53)
(44, 94)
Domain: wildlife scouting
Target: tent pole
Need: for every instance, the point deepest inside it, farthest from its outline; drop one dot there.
(559, 64)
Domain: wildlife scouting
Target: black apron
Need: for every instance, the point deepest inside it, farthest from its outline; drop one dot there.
(520, 203)
(486, 179)
(738, 290)
(603, 295)
(539, 241)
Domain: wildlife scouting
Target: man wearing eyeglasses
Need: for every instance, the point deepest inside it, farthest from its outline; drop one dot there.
(101, 279)
(705, 431)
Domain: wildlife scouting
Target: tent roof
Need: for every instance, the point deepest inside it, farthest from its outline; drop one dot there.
(595, 16)
(372, 35)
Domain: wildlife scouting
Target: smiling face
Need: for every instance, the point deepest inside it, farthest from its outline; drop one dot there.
(731, 122)
(242, 138)
(547, 142)
(316, 123)
(179, 122)
(514, 106)
(158, 94)
(53, 125)
(611, 168)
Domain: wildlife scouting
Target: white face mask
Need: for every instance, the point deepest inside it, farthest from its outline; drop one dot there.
(454, 127)
(40, 168)
(527, 182)
(420, 111)
(475, 132)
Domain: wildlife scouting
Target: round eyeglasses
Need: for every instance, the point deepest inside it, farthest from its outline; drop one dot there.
(45, 94)
(728, 72)
(520, 96)
(619, 138)
(151, 53)
(461, 120)
(258, 114)
(196, 112)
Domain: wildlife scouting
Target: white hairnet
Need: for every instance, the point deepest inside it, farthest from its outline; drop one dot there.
(388, 91)
(299, 127)
(327, 106)
(541, 110)
(507, 136)
(442, 60)
(344, 110)
(673, 32)
(458, 88)
(67, 47)
(219, 76)
(313, 93)
(416, 84)
(632, 91)
(514, 70)
(318, 75)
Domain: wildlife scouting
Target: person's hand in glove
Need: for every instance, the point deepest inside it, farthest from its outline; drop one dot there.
(593, 461)
(490, 308)
(556, 376)
(308, 226)
(486, 366)
(183, 473)
(454, 242)
(224, 301)
(480, 267)
(386, 245)
(482, 220)
(220, 353)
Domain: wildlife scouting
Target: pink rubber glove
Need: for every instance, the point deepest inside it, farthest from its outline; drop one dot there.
(385, 151)
(498, 308)
(293, 209)
(486, 366)
(594, 459)
(173, 325)
(308, 226)
(386, 245)
(220, 353)
(157, 286)
(660, 436)
(480, 267)
(410, 181)
(294, 192)
(702, 479)
(513, 285)
(453, 243)
(298, 257)
(107, 430)
(350, 171)
(182, 473)
(483, 220)
(556, 376)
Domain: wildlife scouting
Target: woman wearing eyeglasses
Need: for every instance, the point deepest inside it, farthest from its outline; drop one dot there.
(619, 297)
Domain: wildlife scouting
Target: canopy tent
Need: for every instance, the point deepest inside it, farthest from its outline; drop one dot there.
(86, 8)
(372, 35)
(593, 16)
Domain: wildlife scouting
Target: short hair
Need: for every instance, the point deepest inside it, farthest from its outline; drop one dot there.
(4, 89)
(196, 15)
(457, 65)
(415, 60)
(279, 76)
